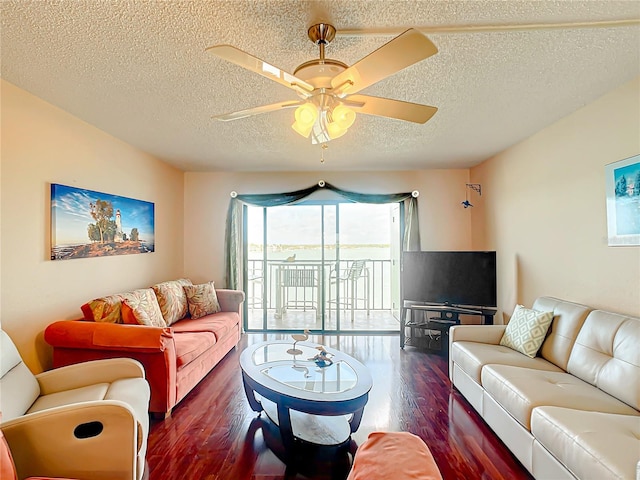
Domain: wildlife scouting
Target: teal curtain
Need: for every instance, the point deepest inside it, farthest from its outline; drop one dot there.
(233, 243)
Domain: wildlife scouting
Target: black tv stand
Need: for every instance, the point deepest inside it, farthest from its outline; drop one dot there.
(448, 315)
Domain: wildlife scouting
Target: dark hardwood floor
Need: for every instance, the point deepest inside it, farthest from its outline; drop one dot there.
(213, 434)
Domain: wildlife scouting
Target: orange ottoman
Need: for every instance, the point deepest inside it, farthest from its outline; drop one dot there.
(394, 455)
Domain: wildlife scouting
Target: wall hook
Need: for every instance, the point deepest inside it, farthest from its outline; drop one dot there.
(476, 187)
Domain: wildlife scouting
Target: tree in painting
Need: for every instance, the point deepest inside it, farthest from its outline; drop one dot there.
(621, 187)
(101, 212)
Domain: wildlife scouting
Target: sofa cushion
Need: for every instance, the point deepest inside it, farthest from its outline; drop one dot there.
(66, 397)
(220, 324)
(568, 318)
(201, 299)
(519, 390)
(141, 307)
(607, 355)
(589, 444)
(526, 330)
(190, 346)
(472, 356)
(18, 386)
(172, 299)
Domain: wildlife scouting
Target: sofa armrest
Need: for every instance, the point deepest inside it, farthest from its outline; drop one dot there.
(89, 373)
(76, 342)
(490, 334)
(44, 442)
(108, 336)
(230, 300)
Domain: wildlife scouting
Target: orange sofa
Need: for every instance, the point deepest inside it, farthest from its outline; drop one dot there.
(176, 354)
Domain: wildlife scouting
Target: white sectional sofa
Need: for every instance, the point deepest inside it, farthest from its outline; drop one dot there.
(573, 410)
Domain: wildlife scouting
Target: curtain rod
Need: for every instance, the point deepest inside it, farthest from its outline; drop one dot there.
(321, 184)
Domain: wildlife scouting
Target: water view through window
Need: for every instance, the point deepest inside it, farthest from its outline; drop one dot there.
(325, 267)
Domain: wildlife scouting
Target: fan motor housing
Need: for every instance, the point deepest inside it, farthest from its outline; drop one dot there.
(319, 73)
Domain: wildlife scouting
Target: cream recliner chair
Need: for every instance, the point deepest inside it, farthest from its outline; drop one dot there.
(87, 421)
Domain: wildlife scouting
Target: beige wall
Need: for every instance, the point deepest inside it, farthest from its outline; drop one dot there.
(444, 223)
(543, 209)
(42, 144)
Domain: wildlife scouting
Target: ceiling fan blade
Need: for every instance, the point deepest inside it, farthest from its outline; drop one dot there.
(386, 107)
(237, 56)
(398, 54)
(257, 110)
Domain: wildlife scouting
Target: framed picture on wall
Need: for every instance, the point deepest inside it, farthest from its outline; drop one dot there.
(623, 201)
(86, 224)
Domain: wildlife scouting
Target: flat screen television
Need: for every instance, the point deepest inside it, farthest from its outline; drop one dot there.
(450, 278)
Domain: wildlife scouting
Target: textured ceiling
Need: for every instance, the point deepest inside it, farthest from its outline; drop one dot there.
(139, 71)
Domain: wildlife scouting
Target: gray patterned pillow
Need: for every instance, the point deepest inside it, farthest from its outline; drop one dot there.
(526, 330)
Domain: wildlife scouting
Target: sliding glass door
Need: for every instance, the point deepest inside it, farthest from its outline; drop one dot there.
(323, 266)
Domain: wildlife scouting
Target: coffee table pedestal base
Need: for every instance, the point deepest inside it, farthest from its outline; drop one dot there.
(317, 429)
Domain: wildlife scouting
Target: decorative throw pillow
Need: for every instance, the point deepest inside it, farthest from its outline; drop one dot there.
(141, 307)
(202, 299)
(105, 309)
(526, 330)
(172, 299)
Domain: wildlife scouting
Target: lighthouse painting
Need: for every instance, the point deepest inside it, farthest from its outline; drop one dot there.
(85, 223)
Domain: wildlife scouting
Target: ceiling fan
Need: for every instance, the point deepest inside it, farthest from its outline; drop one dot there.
(328, 89)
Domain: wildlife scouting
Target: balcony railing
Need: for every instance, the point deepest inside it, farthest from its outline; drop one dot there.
(302, 285)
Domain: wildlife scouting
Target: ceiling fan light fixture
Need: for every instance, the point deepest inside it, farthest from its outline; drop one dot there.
(304, 130)
(306, 116)
(343, 116)
(335, 130)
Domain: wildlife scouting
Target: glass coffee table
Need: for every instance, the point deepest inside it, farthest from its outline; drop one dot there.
(322, 405)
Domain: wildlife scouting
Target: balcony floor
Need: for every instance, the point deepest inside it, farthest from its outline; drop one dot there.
(377, 320)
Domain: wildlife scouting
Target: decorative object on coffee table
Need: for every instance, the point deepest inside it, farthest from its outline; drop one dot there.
(322, 359)
(298, 337)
